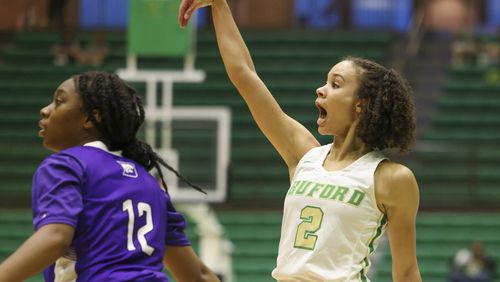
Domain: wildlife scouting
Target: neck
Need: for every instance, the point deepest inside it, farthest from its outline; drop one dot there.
(348, 147)
(88, 140)
(90, 135)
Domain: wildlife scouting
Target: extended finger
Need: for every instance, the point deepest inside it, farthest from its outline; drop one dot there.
(182, 10)
(189, 11)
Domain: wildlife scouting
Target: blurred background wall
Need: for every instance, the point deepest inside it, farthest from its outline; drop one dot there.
(441, 14)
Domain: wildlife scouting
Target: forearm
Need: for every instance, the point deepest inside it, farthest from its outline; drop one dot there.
(38, 252)
(200, 273)
(411, 275)
(185, 266)
(233, 49)
(207, 275)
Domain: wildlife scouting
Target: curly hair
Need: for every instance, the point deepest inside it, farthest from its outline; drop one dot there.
(388, 118)
(121, 115)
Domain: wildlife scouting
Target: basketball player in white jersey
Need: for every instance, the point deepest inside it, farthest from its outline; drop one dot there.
(343, 195)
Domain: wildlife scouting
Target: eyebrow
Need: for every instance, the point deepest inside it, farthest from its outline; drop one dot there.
(59, 92)
(338, 75)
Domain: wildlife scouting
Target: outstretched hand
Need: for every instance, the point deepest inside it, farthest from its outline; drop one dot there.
(187, 8)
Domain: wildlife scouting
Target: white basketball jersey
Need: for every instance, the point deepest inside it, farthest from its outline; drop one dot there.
(331, 223)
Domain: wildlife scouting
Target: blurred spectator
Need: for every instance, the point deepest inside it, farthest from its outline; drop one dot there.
(472, 265)
(464, 49)
(65, 50)
(56, 15)
(489, 53)
(95, 52)
(452, 15)
(344, 6)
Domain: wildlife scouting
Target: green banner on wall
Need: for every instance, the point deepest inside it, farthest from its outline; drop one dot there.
(154, 31)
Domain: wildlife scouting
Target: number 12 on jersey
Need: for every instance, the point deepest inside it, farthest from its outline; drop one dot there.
(142, 209)
(311, 217)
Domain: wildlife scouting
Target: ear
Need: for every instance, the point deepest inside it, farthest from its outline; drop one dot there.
(359, 106)
(88, 122)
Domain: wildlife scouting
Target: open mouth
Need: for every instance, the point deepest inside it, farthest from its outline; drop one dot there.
(322, 114)
(41, 133)
(322, 111)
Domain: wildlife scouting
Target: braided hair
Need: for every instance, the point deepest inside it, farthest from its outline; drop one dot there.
(388, 118)
(121, 114)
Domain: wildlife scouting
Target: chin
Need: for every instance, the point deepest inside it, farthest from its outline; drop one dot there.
(322, 131)
(49, 147)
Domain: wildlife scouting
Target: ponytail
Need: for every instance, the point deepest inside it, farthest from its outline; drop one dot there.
(142, 153)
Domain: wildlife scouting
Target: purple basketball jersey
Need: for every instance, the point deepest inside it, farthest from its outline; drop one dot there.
(122, 218)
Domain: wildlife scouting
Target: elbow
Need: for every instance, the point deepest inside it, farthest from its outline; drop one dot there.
(207, 275)
(60, 245)
(193, 273)
(239, 74)
(59, 235)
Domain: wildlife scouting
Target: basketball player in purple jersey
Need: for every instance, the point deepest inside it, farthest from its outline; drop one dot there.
(94, 200)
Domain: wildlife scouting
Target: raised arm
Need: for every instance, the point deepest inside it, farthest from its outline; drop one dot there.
(397, 191)
(290, 138)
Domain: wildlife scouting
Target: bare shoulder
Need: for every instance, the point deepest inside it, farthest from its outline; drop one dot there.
(391, 171)
(395, 184)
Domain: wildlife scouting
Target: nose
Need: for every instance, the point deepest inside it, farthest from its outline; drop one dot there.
(320, 91)
(44, 112)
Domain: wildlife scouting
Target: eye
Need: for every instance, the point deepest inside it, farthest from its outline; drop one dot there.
(57, 101)
(335, 85)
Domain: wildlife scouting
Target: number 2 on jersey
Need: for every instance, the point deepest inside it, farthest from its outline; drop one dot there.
(142, 208)
(312, 217)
